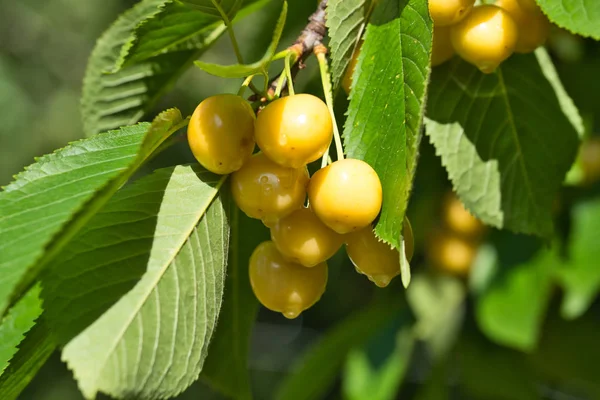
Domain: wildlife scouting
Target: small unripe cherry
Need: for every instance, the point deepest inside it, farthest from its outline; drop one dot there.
(221, 133)
(294, 130)
(301, 237)
(449, 12)
(442, 49)
(452, 254)
(459, 220)
(284, 286)
(266, 190)
(347, 78)
(346, 195)
(533, 25)
(485, 38)
(376, 259)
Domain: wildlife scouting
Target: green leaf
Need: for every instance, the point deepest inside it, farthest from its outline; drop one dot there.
(580, 275)
(345, 22)
(259, 67)
(230, 374)
(511, 310)
(386, 104)
(19, 320)
(578, 16)
(229, 7)
(48, 203)
(33, 353)
(362, 381)
(176, 28)
(316, 371)
(504, 140)
(153, 341)
(110, 101)
(438, 303)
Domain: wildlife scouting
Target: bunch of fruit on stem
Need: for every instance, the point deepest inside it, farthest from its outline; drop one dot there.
(483, 35)
(289, 273)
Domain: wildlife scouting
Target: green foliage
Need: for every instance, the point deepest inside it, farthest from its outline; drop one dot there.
(362, 381)
(345, 23)
(578, 16)
(230, 374)
(579, 275)
(214, 7)
(33, 353)
(153, 341)
(511, 309)
(315, 372)
(259, 67)
(19, 320)
(387, 101)
(504, 140)
(48, 203)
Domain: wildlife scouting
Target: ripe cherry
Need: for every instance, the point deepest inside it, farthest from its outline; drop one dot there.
(376, 259)
(442, 49)
(452, 254)
(266, 190)
(449, 12)
(294, 130)
(221, 133)
(346, 195)
(459, 220)
(486, 37)
(284, 286)
(532, 24)
(301, 237)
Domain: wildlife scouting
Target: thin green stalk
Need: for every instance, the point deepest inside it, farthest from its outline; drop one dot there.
(247, 82)
(231, 32)
(327, 90)
(288, 73)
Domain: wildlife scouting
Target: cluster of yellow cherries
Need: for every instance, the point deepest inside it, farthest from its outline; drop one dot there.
(288, 274)
(486, 35)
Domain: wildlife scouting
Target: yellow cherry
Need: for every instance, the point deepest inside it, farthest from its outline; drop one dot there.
(449, 12)
(301, 237)
(459, 220)
(485, 38)
(221, 133)
(266, 190)
(284, 286)
(294, 130)
(442, 49)
(452, 254)
(346, 195)
(532, 24)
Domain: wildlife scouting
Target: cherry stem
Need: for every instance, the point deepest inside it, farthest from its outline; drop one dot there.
(321, 51)
(247, 82)
(288, 73)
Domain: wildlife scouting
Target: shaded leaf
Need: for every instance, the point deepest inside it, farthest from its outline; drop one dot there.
(176, 28)
(261, 66)
(511, 310)
(345, 22)
(578, 16)
(363, 381)
(33, 353)
(230, 374)
(18, 321)
(386, 104)
(580, 275)
(49, 202)
(318, 367)
(166, 236)
(229, 7)
(504, 140)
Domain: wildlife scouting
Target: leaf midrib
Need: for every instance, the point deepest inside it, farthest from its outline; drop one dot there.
(159, 276)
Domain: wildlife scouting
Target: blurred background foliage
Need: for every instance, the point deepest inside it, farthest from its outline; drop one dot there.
(44, 47)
